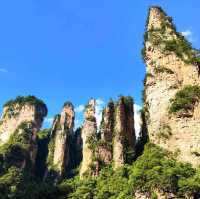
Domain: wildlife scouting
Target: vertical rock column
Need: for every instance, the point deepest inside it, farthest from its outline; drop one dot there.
(89, 131)
(21, 120)
(22, 109)
(170, 68)
(106, 132)
(124, 132)
(58, 158)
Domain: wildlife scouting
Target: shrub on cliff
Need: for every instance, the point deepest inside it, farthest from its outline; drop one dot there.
(20, 101)
(156, 169)
(185, 99)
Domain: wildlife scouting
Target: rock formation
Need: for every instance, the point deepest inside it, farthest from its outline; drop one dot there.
(115, 142)
(124, 133)
(89, 131)
(106, 133)
(171, 91)
(59, 146)
(20, 122)
(22, 109)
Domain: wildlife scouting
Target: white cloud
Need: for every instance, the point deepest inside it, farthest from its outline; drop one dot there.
(98, 112)
(188, 34)
(49, 120)
(79, 108)
(3, 70)
(137, 118)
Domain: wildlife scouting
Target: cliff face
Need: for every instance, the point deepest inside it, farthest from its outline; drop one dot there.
(61, 133)
(171, 106)
(89, 131)
(106, 133)
(115, 142)
(20, 110)
(22, 119)
(20, 150)
(124, 133)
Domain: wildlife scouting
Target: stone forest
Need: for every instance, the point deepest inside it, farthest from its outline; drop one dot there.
(111, 162)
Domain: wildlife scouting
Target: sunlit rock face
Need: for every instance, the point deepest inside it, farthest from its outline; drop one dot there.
(20, 122)
(89, 131)
(61, 135)
(22, 109)
(114, 144)
(170, 68)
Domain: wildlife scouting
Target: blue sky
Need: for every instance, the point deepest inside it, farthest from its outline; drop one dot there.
(73, 50)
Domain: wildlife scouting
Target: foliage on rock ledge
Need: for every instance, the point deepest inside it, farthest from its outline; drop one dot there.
(185, 99)
(155, 169)
(14, 106)
(178, 44)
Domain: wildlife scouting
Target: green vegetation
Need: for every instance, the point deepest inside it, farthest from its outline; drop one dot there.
(160, 37)
(43, 138)
(165, 132)
(154, 170)
(185, 99)
(163, 70)
(14, 106)
(111, 107)
(15, 151)
(196, 59)
(21, 100)
(68, 104)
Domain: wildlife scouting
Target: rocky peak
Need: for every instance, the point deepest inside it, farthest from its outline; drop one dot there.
(171, 68)
(107, 123)
(59, 147)
(124, 132)
(21, 148)
(89, 113)
(20, 110)
(89, 133)
(67, 116)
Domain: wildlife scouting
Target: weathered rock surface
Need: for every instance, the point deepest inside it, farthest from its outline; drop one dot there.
(22, 109)
(59, 147)
(124, 133)
(21, 120)
(89, 131)
(169, 70)
(107, 132)
(107, 123)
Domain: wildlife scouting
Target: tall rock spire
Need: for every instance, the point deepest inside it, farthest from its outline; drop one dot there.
(22, 109)
(106, 133)
(172, 78)
(124, 133)
(89, 131)
(20, 122)
(59, 146)
(107, 123)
